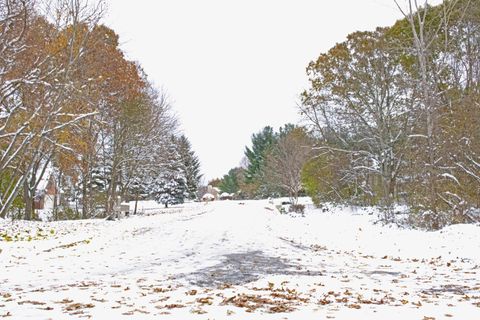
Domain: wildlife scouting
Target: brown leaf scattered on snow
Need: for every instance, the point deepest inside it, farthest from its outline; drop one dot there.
(174, 306)
(280, 309)
(253, 302)
(191, 292)
(324, 301)
(69, 245)
(225, 286)
(47, 308)
(65, 301)
(163, 299)
(83, 285)
(317, 248)
(35, 303)
(206, 300)
(79, 306)
(132, 312)
(198, 311)
(288, 297)
(361, 300)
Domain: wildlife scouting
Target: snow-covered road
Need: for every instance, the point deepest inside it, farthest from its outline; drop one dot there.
(234, 260)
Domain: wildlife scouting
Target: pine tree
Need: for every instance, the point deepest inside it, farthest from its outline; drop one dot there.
(191, 164)
(229, 182)
(261, 143)
(170, 186)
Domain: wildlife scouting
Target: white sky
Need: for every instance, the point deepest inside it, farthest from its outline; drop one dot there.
(233, 67)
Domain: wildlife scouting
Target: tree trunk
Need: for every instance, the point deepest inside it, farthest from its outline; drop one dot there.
(27, 200)
(136, 203)
(85, 200)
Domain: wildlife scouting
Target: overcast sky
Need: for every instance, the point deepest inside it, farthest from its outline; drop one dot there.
(233, 67)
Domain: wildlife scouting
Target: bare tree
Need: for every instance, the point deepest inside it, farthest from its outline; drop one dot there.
(425, 36)
(285, 161)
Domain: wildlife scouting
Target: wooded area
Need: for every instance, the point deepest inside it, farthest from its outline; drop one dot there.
(396, 113)
(393, 115)
(76, 113)
(368, 207)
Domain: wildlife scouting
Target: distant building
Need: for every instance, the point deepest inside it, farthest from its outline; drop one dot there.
(47, 193)
(208, 197)
(210, 192)
(226, 196)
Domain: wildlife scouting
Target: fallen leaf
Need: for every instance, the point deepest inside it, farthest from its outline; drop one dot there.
(206, 300)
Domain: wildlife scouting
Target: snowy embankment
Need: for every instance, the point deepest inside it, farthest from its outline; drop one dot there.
(237, 260)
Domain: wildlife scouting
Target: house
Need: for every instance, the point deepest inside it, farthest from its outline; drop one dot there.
(47, 195)
(208, 197)
(212, 192)
(226, 196)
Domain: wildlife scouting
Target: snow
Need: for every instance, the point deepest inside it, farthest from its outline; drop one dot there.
(208, 197)
(238, 260)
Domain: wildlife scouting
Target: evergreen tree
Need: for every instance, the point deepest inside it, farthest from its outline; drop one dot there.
(261, 143)
(170, 186)
(229, 182)
(191, 164)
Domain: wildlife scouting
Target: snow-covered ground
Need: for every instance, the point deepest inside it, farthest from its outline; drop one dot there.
(238, 260)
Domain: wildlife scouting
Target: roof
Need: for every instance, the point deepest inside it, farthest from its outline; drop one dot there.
(208, 196)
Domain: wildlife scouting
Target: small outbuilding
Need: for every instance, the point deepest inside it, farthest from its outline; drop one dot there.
(47, 195)
(226, 196)
(207, 197)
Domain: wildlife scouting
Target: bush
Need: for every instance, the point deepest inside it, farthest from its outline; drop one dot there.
(298, 208)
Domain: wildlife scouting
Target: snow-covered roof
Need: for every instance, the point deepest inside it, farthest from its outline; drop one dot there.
(208, 196)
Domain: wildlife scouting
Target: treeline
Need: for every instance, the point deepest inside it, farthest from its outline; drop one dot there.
(76, 113)
(393, 116)
(396, 115)
(272, 166)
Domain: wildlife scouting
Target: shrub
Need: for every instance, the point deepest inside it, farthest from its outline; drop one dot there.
(298, 208)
